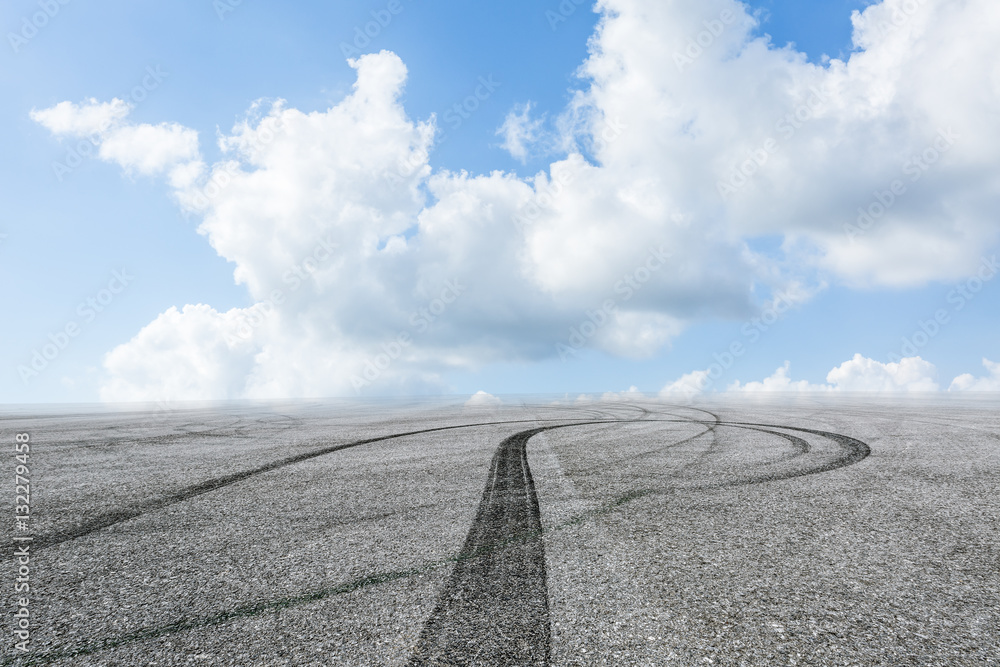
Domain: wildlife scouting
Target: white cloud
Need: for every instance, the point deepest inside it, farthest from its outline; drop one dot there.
(660, 138)
(830, 138)
(520, 131)
(297, 182)
(147, 149)
(151, 149)
(780, 381)
(968, 382)
(632, 394)
(190, 354)
(483, 400)
(687, 385)
(86, 119)
(859, 374)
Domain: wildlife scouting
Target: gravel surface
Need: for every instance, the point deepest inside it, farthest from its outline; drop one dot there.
(818, 532)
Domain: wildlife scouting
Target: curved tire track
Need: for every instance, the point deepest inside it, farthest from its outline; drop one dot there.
(505, 539)
(855, 451)
(115, 517)
(494, 609)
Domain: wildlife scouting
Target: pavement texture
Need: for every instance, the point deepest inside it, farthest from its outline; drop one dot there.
(814, 532)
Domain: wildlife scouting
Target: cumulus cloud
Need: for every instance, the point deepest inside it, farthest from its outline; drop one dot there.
(756, 140)
(520, 131)
(326, 214)
(147, 149)
(780, 381)
(687, 385)
(81, 120)
(150, 149)
(631, 394)
(697, 142)
(859, 374)
(968, 382)
(483, 400)
(190, 353)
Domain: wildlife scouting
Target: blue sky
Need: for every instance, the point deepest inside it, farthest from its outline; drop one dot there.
(66, 233)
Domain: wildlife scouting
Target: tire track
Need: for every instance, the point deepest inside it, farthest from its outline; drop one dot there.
(122, 439)
(854, 451)
(115, 517)
(800, 447)
(495, 608)
(509, 459)
(648, 453)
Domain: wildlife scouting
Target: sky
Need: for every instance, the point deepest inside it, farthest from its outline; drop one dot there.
(222, 199)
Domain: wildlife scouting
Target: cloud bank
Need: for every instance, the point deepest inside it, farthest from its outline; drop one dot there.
(373, 272)
(859, 374)
(968, 382)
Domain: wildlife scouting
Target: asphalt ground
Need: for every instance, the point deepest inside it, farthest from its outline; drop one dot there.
(814, 532)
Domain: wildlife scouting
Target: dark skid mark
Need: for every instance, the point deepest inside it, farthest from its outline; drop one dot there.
(800, 447)
(475, 549)
(650, 452)
(494, 609)
(853, 452)
(125, 514)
